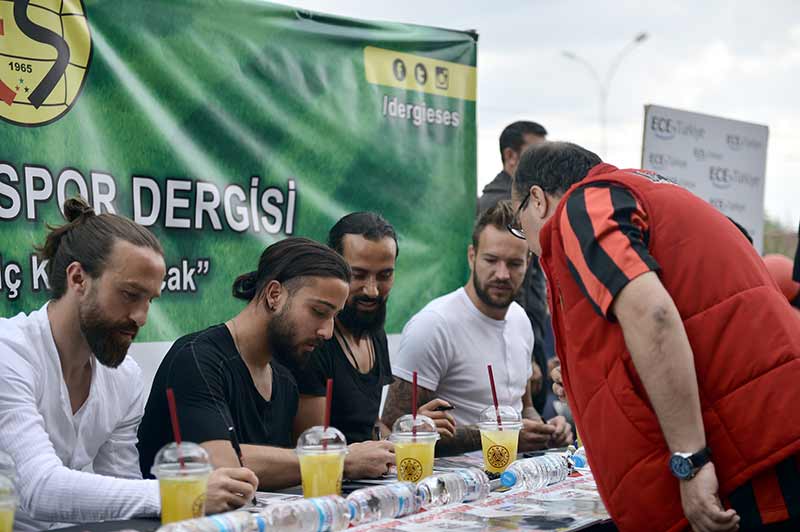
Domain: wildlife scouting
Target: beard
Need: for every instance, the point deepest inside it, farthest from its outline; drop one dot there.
(284, 343)
(104, 336)
(358, 321)
(499, 302)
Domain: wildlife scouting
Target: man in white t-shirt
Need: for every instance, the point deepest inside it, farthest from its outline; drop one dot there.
(450, 342)
(70, 398)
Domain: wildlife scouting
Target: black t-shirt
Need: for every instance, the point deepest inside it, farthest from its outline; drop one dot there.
(356, 395)
(213, 390)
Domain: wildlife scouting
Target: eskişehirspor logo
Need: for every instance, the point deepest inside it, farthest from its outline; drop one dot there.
(45, 48)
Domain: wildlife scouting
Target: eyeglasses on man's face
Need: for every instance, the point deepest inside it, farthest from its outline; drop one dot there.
(515, 227)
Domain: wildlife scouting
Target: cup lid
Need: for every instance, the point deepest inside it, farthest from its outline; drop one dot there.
(404, 427)
(194, 459)
(508, 416)
(319, 439)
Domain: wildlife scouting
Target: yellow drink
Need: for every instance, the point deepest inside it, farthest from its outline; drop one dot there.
(321, 473)
(6, 519)
(499, 448)
(414, 459)
(182, 497)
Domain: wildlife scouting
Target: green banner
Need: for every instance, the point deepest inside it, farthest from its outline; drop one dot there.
(224, 126)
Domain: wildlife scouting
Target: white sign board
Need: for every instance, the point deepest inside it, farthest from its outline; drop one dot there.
(722, 161)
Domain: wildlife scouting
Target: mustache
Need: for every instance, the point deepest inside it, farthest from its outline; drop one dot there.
(367, 299)
(128, 327)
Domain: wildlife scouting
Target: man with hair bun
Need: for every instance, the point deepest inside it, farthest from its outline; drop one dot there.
(236, 374)
(70, 398)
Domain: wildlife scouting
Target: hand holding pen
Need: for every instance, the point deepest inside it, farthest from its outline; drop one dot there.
(439, 411)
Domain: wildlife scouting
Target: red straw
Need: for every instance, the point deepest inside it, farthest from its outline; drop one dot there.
(173, 416)
(414, 404)
(328, 401)
(494, 398)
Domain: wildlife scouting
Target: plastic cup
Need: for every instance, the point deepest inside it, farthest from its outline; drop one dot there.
(321, 453)
(182, 486)
(414, 451)
(8, 504)
(8, 498)
(499, 441)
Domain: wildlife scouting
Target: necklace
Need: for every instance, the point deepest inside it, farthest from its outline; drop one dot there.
(352, 356)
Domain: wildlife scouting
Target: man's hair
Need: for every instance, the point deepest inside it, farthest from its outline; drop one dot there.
(554, 166)
(498, 216)
(287, 262)
(513, 136)
(88, 238)
(370, 225)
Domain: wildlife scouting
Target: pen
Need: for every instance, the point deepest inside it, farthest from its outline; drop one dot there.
(238, 449)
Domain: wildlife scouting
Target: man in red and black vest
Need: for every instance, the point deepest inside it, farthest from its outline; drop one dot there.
(680, 356)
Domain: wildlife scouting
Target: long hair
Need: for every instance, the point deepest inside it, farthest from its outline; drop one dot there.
(88, 238)
(288, 259)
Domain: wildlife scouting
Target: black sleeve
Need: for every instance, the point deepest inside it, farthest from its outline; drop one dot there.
(198, 378)
(313, 377)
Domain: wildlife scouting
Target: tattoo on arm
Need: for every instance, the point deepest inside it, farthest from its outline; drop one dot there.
(397, 404)
(465, 440)
(398, 401)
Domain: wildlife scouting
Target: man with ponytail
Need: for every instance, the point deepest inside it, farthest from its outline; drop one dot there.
(70, 398)
(236, 374)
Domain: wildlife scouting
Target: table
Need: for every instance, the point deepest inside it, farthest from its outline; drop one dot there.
(570, 506)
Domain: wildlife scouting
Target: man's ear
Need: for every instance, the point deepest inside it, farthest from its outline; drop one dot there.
(471, 252)
(538, 201)
(273, 293)
(510, 157)
(77, 278)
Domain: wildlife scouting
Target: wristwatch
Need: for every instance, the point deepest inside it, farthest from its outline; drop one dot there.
(685, 465)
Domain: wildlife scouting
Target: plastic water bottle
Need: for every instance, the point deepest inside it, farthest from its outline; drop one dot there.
(320, 514)
(579, 458)
(383, 502)
(460, 485)
(537, 472)
(228, 522)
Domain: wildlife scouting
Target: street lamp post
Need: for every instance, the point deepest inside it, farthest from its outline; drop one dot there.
(603, 84)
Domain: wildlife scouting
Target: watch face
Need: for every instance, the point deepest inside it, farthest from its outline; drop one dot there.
(680, 466)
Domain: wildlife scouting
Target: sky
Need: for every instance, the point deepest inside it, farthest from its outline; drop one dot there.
(734, 59)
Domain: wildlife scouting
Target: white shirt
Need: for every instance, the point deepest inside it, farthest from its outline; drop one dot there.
(450, 342)
(55, 451)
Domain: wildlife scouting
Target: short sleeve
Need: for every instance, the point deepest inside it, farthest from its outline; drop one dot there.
(198, 380)
(605, 234)
(423, 348)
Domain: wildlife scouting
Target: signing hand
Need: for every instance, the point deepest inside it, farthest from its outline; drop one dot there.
(535, 435)
(230, 488)
(445, 424)
(563, 434)
(701, 503)
(369, 459)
